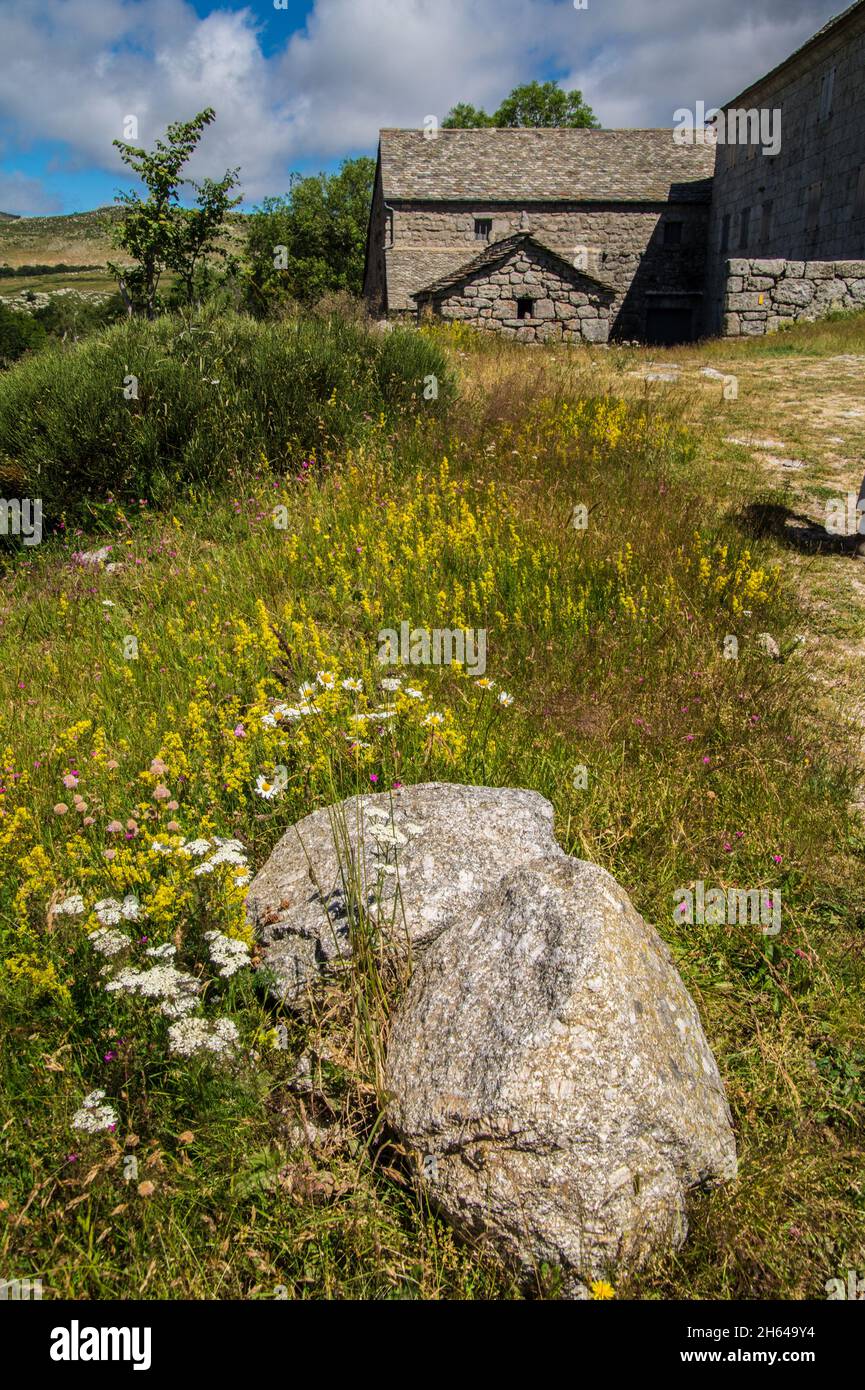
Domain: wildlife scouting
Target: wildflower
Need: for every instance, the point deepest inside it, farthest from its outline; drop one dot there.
(61, 808)
(599, 1288)
(109, 911)
(266, 788)
(70, 781)
(484, 683)
(72, 906)
(164, 952)
(228, 953)
(157, 767)
(176, 991)
(161, 793)
(388, 835)
(373, 776)
(707, 759)
(434, 718)
(93, 1115)
(306, 690)
(158, 847)
(778, 858)
(107, 942)
(326, 679)
(193, 1035)
(113, 827)
(504, 698)
(353, 685)
(414, 694)
(195, 847)
(391, 683)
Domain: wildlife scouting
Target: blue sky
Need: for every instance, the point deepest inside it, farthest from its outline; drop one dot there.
(305, 85)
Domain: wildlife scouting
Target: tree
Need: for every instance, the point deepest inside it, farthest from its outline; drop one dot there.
(313, 240)
(539, 104)
(156, 231)
(464, 116)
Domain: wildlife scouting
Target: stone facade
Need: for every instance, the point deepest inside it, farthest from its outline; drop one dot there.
(629, 208)
(558, 303)
(807, 202)
(761, 296)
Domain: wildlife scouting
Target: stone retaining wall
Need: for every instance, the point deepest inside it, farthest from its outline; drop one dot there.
(761, 295)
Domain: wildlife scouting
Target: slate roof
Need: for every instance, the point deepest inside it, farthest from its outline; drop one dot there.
(837, 22)
(548, 165)
(495, 254)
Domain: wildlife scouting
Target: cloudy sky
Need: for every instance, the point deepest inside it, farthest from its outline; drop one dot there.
(301, 84)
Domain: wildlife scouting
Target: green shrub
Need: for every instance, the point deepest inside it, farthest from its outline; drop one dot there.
(147, 407)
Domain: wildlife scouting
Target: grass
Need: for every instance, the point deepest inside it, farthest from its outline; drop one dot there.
(611, 640)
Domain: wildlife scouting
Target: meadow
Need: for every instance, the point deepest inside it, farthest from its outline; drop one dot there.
(273, 498)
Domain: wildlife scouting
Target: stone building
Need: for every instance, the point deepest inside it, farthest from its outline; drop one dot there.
(562, 234)
(618, 218)
(787, 230)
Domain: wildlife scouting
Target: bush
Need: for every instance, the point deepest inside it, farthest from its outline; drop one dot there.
(207, 395)
(18, 334)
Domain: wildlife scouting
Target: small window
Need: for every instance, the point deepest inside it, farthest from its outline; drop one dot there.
(766, 222)
(827, 94)
(744, 228)
(673, 233)
(859, 198)
(483, 228)
(725, 232)
(525, 308)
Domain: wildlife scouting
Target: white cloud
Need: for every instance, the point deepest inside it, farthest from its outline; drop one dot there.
(73, 69)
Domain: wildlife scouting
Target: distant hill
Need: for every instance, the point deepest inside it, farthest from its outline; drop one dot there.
(9, 216)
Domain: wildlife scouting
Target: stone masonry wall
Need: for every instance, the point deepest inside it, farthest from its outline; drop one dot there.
(761, 295)
(625, 242)
(565, 310)
(807, 202)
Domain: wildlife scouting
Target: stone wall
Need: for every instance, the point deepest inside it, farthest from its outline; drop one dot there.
(807, 202)
(625, 243)
(569, 309)
(761, 295)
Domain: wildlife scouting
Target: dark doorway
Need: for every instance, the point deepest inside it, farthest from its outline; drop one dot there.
(667, 326)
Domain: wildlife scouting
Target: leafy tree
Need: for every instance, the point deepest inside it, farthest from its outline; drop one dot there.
(464, 116)
(155, 230)
(312, 241)
(19, 333)
(539, 104)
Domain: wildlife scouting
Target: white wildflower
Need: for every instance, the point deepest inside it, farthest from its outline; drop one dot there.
(193, 1035)
(352, 684)
(93, 1115)
(130, 908)
(205, 868)
(504, 698)
(326, 679)
(391, 683)
(164, 952)
(196, 848)
(387, 835)
(176, 991)
(107, 942)
(434, 718)
(109, 911)
(72, 906)
(227, 952)
(159, 847)
(414, 694)
(267, 789)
